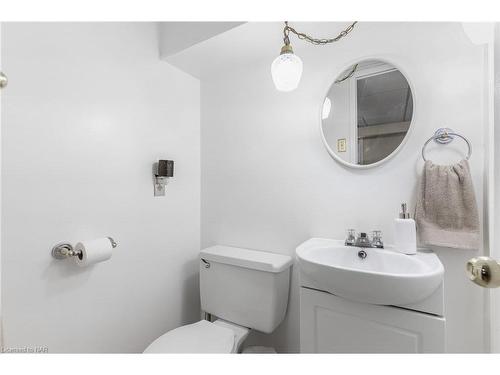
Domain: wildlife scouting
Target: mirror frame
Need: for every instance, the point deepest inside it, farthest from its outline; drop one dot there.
(410, 129)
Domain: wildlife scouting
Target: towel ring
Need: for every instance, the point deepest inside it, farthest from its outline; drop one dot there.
(445, 136)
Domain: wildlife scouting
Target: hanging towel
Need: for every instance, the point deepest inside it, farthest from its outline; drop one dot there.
(446, 211)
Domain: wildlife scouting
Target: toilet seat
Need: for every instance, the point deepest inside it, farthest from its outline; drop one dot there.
(200, 337)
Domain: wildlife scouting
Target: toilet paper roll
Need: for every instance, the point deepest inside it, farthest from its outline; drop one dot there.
(93, 251)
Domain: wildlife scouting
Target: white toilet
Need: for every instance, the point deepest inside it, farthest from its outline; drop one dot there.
(244, 289)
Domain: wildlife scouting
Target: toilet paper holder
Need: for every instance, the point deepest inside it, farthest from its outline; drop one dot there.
(65, 250)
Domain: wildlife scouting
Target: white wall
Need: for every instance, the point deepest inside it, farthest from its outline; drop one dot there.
(176, 36)
(88, 109)
(268, 183)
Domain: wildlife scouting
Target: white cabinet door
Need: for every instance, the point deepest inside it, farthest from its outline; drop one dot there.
(330, 324)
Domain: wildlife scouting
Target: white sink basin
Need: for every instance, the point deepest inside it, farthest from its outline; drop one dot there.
(384, 277)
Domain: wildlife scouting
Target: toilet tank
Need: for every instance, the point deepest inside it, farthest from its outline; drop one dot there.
(246, 287)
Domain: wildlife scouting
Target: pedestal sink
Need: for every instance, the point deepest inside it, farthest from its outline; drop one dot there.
(384, 277)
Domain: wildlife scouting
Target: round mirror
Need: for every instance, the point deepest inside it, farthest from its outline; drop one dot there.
(366, 113)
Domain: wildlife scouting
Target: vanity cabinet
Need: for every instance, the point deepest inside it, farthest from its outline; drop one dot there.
(331, 324)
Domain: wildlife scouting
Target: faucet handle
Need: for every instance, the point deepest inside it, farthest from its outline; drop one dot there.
(351, 237)
(377, 239)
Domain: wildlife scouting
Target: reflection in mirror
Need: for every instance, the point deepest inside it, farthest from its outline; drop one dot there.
(367, 112)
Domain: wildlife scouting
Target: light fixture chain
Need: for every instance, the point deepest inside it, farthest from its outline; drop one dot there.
(315, 41)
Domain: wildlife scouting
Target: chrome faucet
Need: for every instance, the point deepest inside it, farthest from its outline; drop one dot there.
(363, 241)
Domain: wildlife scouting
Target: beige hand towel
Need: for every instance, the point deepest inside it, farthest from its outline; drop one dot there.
(446, 211)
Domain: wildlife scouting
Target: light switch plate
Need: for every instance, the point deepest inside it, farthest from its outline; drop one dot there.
(341, 145)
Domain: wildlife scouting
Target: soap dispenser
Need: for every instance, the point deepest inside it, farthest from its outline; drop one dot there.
(405, 232)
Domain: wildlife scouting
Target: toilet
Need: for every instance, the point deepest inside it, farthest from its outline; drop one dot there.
(243, 290)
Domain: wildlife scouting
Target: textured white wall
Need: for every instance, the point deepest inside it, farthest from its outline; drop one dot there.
(88, 109)
(268, 183)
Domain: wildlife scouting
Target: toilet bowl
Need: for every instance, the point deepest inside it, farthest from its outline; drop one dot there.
(245, 289)
(201, 337)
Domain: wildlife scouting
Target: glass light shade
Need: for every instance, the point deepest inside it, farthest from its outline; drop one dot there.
(286, 70)
(327, 107)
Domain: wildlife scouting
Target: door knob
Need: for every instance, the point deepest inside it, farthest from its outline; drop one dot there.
(3, 80)
(484, 271)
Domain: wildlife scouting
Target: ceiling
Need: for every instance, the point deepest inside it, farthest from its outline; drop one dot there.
(246, 44)
(177, 36)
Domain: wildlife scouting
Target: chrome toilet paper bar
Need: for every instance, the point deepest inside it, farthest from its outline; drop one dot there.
(65, 250)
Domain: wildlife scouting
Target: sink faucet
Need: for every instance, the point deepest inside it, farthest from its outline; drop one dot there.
(363, 241)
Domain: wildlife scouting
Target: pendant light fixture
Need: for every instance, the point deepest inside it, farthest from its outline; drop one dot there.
(286, 69)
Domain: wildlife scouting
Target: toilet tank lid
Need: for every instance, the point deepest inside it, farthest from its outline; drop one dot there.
(252, 259)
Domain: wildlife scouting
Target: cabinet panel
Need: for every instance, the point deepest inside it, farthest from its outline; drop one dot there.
(330, 324)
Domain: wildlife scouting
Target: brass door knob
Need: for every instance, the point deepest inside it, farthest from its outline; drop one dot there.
(484, 271)
(3, 80)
